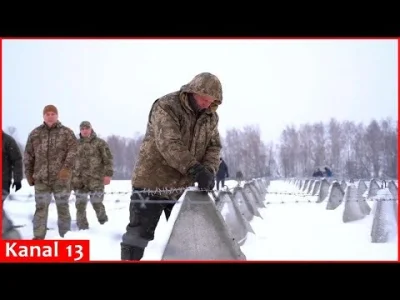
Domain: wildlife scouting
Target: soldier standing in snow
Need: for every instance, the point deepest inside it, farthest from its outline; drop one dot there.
(93, 170)
(12, 165)
(222, 173)
(181, 146)
(49, 158)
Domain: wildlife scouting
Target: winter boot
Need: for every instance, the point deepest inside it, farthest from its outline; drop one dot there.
(131, 252)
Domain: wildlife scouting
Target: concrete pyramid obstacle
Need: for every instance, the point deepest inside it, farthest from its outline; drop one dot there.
(258, 195)
(250, 198)
(335, 196)
(235, 221)
(316, 186)
(323, 190)
(343, 185)
(199, 232)
(384, 224)
(310, 185)
(352, 210)
(305, 184)
(373, 188)
(393, 190)
(361, 189)
(245, 208)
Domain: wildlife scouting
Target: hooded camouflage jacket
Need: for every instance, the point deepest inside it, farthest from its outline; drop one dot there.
(177, 137)
(12, 160)
(48, 150)
(94, 160)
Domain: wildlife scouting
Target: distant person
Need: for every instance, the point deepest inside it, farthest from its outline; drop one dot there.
(49, 158)
(239, 176)
(12, 165)
(92, 172)
(328, 172)
(318, 173)
(222, 173)
(181, 146)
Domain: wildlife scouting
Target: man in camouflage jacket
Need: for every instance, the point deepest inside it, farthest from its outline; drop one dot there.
(181, 146)
(93, 170)
(49, 158)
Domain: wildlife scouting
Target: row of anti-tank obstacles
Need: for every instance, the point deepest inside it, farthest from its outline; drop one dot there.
(356, 196)
(213, 226)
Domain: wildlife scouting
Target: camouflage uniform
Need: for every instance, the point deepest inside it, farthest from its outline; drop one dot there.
(94, 161)
(12, 164)
(49, 158)
(178, 139)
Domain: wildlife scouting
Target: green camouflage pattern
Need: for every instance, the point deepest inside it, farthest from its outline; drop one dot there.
(94, 161)
(48, 150)
(95, 192)
(43, 197)
(177, 137)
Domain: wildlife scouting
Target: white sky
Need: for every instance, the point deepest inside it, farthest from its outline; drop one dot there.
(272, 83)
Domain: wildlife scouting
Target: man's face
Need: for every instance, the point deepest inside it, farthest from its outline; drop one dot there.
(50, 118)
(86, 131)
(203, 102)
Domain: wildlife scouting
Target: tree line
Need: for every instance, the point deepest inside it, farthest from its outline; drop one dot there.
(349, 149)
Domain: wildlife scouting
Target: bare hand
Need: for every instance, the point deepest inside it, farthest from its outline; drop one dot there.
(107, 180)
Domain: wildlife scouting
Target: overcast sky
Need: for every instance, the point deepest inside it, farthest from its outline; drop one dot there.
(112, 83)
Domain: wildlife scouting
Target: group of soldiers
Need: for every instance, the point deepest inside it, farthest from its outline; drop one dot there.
(181, 146)
(57, 162)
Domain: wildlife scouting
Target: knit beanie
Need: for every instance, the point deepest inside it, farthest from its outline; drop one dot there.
(50, 108)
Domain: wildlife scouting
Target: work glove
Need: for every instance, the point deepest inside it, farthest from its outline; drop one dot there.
(202, 176)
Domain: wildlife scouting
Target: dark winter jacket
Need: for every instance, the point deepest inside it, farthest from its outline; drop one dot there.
(12, 161)
(222, 171)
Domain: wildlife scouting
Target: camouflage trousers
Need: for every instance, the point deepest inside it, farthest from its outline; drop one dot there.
(143, 219)
(95, 192)
(43, 197)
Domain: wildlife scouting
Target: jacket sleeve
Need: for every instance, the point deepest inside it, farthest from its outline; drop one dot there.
(168, 139)
(72, 144)
(211, 158)
(107, 158)
(29, 157)
(16, 160)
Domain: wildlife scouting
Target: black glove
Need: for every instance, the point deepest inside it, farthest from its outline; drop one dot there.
(17, 185)
(203, 177)
(227, 175)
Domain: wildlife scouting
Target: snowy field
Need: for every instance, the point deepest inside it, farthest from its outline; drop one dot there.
(288, 230)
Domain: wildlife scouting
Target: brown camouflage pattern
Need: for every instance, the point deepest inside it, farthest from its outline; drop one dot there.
(176, 138)
(94, 161)
(48, 150)
(95, 192)
(43, 196)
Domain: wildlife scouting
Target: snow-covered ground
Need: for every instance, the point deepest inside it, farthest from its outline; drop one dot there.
(288, 230)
